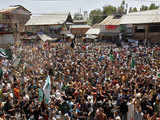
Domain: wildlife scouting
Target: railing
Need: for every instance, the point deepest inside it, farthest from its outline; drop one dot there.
(5, 21)
(6, 32)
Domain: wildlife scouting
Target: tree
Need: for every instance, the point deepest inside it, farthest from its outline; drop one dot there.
(135, 9)
(96, 16)
(122, 9)
(78, 16)
(153, 6)
(132, 9)
(143, 8)
(109, 10)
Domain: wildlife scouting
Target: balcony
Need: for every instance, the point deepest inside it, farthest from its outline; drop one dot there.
(6, 29)
(7, 21)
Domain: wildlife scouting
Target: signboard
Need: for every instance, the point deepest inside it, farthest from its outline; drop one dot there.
(111, 27)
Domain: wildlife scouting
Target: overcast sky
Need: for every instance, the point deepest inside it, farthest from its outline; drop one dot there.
(50, 6)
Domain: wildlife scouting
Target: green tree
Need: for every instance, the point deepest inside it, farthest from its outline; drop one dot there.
(109, 10)
(143, 8)
(153, 6)
(132, 9)
(96, 16)
(122, 9)
(135, 9)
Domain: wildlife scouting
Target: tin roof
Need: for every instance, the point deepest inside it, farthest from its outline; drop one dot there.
(12, 8)
(79, 21)
(48, 19)
(93, 31)
(143, 17)
(110, 20)
(80, 26)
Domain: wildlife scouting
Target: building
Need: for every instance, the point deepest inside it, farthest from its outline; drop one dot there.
(145, 25)
(93, 31)
(80, 22)
(110, 27)
(79, 30)
(49, 23)
(12, 23)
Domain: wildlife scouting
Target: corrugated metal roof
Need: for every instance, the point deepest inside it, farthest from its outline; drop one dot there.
(48, 19)
(80, 26)
(93, 31)
(9, 9)
(79, 21)
(45, 37)
(12, 8)
(110, 21)
(96, 26)
(149, 16)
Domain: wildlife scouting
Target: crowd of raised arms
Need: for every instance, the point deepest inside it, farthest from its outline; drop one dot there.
(89, 81)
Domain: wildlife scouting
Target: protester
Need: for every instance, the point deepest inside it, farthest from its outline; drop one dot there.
(80, 81)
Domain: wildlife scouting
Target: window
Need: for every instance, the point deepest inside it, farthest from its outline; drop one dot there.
(139, 29)
(154, 28)
(129, 30)
(117, 17)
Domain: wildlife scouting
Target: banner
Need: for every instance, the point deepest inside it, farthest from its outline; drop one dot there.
(47, 89)
(111, 27)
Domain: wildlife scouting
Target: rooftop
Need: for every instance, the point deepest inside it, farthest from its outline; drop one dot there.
(80, 26)
(93, 31)
(12, 8)
(48, 19)
(149, 16)
(79, 21)
(111, 20)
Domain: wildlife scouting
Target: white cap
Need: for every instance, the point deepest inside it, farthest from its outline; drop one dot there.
(118, 118)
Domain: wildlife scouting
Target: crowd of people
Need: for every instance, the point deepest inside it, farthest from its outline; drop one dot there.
(89, 81)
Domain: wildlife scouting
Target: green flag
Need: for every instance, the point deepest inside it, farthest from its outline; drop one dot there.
(132, 63)
(6, 53)
(111, 57)
(40, 95)
(1, 73)
(47, 90)
(9, 53)
(158, 75)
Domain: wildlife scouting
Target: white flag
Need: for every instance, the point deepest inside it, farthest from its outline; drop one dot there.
(47, 89)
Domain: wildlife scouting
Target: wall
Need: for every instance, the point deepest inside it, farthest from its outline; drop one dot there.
(79, 31)
(44, 28)
(152, 35)
(6, 39)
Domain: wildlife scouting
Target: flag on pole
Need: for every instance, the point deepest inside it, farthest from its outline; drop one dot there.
(6, 53)
(40, 95)
(1, 73)
(47, 89)
(3, 53)
(111, 57)
(132, 63)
